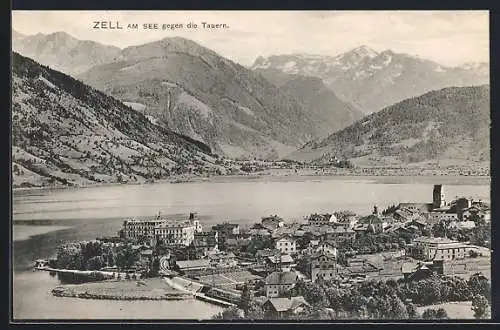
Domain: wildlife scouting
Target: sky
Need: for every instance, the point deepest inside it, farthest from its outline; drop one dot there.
(447, 37)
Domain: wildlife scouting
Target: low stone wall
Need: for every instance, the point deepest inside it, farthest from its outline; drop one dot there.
(85, 295)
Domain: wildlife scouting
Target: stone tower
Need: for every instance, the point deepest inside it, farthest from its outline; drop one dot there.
(438, 197)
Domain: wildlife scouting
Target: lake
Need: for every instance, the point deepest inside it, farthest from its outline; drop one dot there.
(44, 218)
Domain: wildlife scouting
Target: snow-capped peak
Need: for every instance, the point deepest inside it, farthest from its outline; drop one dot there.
(363, 51)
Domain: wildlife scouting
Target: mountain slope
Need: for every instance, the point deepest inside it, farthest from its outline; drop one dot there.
(328, 112)
(62, 52)
(371, 80)
(196, 92)
(450, 124)
(64, 132)
(16, 36)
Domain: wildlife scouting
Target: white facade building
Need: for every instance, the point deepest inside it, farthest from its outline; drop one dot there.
(170, 232)
(286, 244)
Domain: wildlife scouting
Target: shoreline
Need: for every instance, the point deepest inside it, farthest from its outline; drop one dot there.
(261, 176)
(144, 289)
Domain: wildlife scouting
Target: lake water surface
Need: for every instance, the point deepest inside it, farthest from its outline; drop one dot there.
(44, 218)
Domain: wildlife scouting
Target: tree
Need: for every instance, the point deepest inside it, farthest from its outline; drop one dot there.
(412, 311)
(254, 312)
(481, 307)
(155, 267)
(479, 285)
(429, 314)
(441, 314)
(246, 297)
(231, 313)
(473, 254)
(434, 314)
(95, 263)
(259, 243)
(126, 257)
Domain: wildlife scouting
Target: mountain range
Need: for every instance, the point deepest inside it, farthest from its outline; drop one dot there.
(195, 92)
(447, 126)
(282, 103)
(67, 133)
(63, 52)
(372, 80)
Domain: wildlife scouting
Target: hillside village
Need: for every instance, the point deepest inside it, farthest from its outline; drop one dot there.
(279, 269)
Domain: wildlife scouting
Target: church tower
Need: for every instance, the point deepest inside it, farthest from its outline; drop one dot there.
(438, 197)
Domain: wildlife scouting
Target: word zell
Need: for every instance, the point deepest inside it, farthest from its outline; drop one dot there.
(108, 25)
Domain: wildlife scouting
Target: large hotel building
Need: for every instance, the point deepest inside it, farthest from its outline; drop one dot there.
(168, 231)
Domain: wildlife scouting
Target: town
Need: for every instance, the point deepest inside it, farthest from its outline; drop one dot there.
(329, 266)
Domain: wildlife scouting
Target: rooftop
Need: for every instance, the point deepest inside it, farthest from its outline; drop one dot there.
(183, 264)
(286, 258)
(287, 304)
(434, 240)
(282, 278)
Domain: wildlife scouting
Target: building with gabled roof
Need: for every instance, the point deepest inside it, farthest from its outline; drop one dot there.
(437, 248)
(272, 222)
(323, 266)
(286, 244)
(321, 219)
(279, 283)
(282, 262)
(279, 308)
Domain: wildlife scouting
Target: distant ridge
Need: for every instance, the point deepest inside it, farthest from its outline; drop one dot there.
(449, 126)
(66, 133)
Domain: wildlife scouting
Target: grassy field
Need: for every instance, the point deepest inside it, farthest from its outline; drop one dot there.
(147, 289)
(455, 310)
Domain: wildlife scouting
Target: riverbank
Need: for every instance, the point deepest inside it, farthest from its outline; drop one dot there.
(145, 289)
(291, 175)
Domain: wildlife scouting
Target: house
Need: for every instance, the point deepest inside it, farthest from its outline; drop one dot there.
(279, 308)
(478, 210)
(261, 255)
(283, 262)
(437, 248)
(371, 223)
(206, 241)
(259, 231)
(222, 260)
(279, 283)
(272, 223)
(286, 244)
(416, 207)
(299, 233)
(323, 266)
(462, 225)
(435, 217)
(325, 247)
(321, 219)
(227, 230)
(404, 214)
(314, 243)
(348, 222)
(193, 217)
(416, 273)
(358, 269)
(146, 256)
(339, 234)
